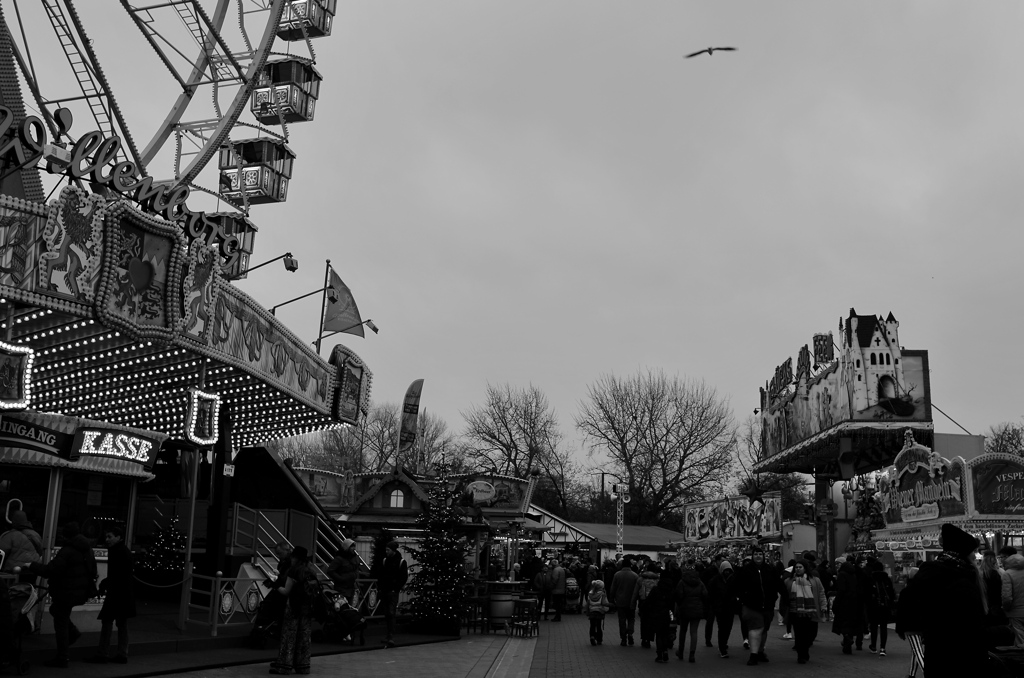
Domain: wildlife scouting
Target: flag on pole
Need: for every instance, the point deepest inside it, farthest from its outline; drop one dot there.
(410, 413)
(341, 315)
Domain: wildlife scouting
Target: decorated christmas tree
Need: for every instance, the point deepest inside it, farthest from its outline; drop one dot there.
(439, 583)
(165, 555)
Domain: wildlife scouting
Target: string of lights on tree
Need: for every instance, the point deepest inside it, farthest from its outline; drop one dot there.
(439, 583)
(166, 555)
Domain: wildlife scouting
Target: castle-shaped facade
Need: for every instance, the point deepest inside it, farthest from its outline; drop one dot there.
(873, 359)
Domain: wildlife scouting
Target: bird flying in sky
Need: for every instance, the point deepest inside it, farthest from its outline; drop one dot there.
(709, 50)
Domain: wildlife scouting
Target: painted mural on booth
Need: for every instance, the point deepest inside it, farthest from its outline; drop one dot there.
(734, 518)
(873, 379)
(922, 485)
(998, 484)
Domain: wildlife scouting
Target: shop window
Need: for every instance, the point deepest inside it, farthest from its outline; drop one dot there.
(397, 499)
(96, 502)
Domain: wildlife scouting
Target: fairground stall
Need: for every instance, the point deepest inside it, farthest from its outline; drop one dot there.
(838, 416)
(922, 490)
(731, 525)
(127, 354)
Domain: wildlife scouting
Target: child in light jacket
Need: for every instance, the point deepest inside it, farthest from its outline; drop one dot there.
(595, 606)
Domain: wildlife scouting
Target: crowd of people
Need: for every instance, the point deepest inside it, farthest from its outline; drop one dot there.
(951, 611)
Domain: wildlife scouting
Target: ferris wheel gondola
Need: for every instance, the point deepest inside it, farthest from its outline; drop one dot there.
(237, 95)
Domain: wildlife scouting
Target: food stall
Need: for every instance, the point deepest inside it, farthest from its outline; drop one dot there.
(922, 490)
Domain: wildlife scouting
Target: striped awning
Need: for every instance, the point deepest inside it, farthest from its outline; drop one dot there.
(120, 467)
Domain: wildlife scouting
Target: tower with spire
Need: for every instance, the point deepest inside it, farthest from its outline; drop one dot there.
(872, 354)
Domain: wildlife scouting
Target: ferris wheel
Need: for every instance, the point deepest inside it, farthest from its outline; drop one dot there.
(229, 75)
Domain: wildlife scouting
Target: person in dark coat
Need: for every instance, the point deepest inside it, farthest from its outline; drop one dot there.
(119, 601)
(724, 604)
(692, 601)
(542, 585)
(660, 601)
(706, 575)
(757, 586)
(394, 573)
(849, 607)
(881, 597)
(949, 609)
(343, 570)
(641, 592)
(71, 577)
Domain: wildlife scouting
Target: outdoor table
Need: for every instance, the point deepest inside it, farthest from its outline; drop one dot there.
(501, 595)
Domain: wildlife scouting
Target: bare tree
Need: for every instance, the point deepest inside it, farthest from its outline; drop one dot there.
(792, 486)
(671, 441)
(334, 450)
(1006, 438)
(512, 431)
(372, 447)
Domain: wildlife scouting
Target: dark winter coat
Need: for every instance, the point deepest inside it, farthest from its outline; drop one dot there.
(343, 572)
(757, 587)
(723, 595)
(691, 597)
(623, 583)
(18, 549)
(558, 580)
(71, 574)
(882, 595)
(394, 573)
(119, 584)
(948, 611)
(659, 603)
(993, 594)
(643, 587)
(850, 605)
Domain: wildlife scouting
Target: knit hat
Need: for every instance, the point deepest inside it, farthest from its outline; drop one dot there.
(726, 565)
(347, 544)
(393, 545)
(19, 520)
(71, 530)
(956, 540)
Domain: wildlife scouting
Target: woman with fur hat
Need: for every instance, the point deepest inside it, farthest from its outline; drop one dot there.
(596, 606)
(949, 609)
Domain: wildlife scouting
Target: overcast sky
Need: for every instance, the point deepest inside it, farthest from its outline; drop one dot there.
(542, 192)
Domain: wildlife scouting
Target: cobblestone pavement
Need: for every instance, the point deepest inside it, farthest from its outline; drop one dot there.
(564, 651)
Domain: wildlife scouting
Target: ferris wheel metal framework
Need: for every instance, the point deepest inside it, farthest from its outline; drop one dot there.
(218, 61)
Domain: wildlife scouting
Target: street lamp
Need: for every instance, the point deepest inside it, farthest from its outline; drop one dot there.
(332, 296)
(291, 264)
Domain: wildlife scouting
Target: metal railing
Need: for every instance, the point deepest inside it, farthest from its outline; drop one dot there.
(219, 601)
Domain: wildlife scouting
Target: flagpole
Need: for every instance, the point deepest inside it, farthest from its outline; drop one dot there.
(323, 306)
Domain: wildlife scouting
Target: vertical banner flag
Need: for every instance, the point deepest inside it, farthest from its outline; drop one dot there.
(342, 315)
(410, 413)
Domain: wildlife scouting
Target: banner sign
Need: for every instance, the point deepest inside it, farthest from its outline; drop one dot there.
(410, 415)
(734, 519)
(921, 485)
(997, 481)
(98, 442)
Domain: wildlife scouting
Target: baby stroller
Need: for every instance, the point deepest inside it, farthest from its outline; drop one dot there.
(339, 619)
(573, 599)
(266, 627)
(23, 599)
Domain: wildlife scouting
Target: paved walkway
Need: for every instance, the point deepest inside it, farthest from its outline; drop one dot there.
(562, 650)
